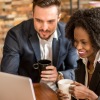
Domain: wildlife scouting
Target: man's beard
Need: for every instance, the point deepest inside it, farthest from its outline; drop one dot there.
(47, 31)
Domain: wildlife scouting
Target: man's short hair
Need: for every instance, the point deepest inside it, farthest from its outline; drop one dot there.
(47, 3)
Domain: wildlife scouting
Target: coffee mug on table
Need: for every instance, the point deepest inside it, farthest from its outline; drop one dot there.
(42, 64)
(64, 85)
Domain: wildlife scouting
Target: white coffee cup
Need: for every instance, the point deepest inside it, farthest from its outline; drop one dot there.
(64, 85)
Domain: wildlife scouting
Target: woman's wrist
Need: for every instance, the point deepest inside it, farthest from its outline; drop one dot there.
(91, 96)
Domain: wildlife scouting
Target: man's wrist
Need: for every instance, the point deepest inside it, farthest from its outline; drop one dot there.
(60, 76)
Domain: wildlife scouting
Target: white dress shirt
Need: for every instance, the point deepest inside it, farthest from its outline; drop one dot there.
(46, 53)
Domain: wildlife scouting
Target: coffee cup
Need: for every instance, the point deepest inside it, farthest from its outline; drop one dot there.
(64, 85)
(42, 64)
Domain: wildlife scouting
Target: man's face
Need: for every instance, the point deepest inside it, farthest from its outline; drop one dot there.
(45, 21)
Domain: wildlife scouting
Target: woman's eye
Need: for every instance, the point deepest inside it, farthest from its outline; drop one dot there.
(84, 42)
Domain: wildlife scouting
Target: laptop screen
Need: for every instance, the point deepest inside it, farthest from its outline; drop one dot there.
(14, 87)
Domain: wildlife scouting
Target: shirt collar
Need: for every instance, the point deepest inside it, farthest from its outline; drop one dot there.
(55, 35)
(97, 59)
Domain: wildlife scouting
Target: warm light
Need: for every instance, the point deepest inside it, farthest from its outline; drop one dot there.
(94, 3)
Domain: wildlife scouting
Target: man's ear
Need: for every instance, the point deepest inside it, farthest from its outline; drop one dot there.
(59, 17)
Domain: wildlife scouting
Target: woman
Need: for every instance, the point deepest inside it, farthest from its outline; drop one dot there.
(83, 29)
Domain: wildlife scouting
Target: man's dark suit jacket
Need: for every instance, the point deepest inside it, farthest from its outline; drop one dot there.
(22, 50)
(95, 80)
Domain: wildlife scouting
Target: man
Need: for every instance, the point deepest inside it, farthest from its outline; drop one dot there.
(39, 38)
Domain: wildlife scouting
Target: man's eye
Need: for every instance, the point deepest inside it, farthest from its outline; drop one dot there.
(51, 21)
(38, 20)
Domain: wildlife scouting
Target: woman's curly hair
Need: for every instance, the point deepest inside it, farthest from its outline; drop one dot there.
(88, 19)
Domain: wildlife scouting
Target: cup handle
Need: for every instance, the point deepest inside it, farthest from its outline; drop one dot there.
(36, 66)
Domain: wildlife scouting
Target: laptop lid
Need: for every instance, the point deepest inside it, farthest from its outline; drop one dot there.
(14, 87)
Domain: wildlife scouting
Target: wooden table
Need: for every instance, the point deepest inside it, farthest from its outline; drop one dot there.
(43, 92)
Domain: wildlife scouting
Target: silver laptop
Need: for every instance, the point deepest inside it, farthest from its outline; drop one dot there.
(14, 87)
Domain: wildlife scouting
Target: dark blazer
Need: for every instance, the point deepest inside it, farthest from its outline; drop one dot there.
(95, 80)
(21, 50)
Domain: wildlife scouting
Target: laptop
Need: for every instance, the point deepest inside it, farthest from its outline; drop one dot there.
(14, 87)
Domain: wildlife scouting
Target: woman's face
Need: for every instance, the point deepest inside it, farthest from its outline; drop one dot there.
(82, 43)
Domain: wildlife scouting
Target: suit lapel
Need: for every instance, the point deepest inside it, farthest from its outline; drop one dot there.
(95, 78)
(61, 52)
(55, 49)
(80, 72)
(35, 43)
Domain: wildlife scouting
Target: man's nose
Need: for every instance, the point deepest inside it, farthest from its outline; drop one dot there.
(45, 26)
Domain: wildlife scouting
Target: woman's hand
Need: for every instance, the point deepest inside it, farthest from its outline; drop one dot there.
(80, 91)
(62, 96)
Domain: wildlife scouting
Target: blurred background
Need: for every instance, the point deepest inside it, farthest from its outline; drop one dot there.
(12, 12)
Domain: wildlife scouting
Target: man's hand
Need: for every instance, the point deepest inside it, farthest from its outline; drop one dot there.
(50, 74)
